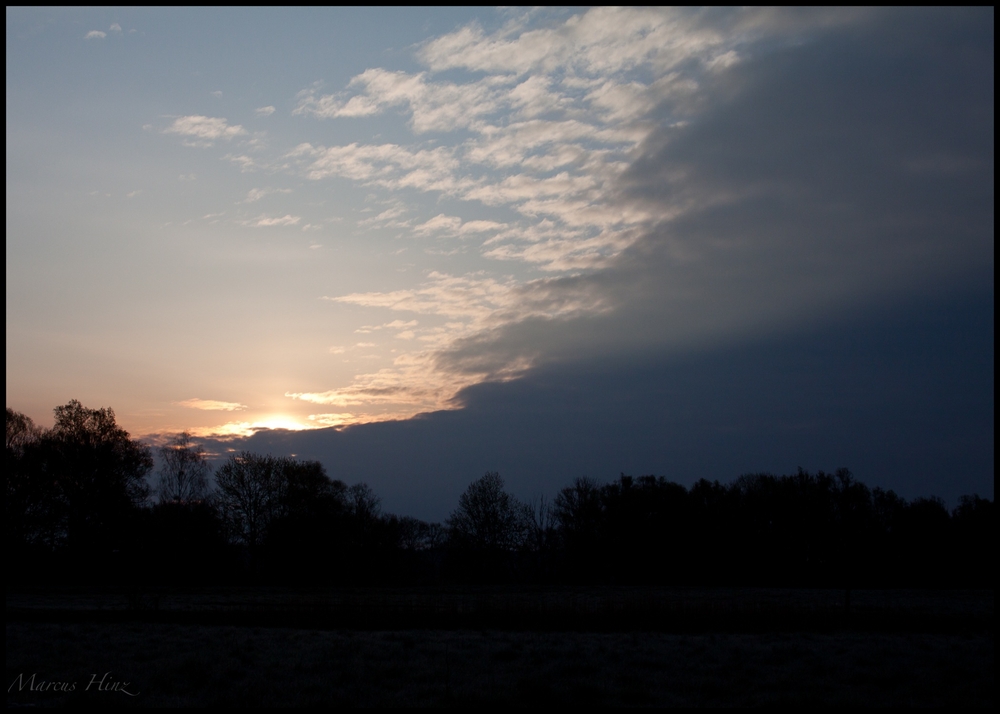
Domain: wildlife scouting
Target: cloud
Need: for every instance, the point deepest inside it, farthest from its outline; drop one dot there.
(387, 165)
(792, 196)
(387, 218)
(246, 163)
(476, 306)
(115, 27)
(264, 221)
(335, 419)
(434, 106)
(684, 177)
(95, 35)
(445, 225)
(609, 40)
(903, 397)
(394, 325)
(206, 129)
(211, 405)
(449, 225)
(632, 183)
(344, 419)
(412, 382)
(255, 194)
(480, 227)
(470, 296)
(575, 137)
(237, 429)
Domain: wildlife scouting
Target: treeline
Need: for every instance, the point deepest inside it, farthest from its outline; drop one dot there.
(81, 507)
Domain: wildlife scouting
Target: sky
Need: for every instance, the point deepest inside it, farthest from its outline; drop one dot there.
(423, 244)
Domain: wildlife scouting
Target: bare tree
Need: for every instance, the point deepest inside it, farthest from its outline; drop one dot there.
(543, 529)
(184, 471)
(578, 513)
(489, 518)
(362, 503)
(30, 498)
(22, 433)
(251, 494)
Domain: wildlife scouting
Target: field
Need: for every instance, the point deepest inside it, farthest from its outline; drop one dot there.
(199, 647)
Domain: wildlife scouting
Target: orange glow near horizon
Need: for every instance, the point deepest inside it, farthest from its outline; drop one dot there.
(248, 428)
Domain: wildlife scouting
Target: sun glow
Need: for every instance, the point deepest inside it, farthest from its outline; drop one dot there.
(281, 421)
(248, 428)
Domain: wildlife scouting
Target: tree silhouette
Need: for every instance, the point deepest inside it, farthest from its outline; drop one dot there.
(30, 500)
(362, 502)
(98, 473)
(310, 494)
(22, 433)
(364, 510)
(489, 518)
(76, 509)
(251, 494)
(184, 472)
(974, 530)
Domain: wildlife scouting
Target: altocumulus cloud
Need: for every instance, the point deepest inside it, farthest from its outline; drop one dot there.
(856, 167)
(271, 221)
(205, 129)
(686, 178)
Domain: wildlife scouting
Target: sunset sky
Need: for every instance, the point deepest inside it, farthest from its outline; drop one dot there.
(231, 220)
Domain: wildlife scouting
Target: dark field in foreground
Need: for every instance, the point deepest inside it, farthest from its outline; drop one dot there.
(585, 645)
(179, 665)
(524, 608)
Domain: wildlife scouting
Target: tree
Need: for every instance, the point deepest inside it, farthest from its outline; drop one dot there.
(311, 514)
(251, 494)
(103, 455)
(184, 471)
(310, 493)
(413, 534)
(22, 433)
(974, 526)
(97, 471)
(363, 504)
(489, 518)
(29, 498)
(364, 511)
(579, 511)
(76, 485)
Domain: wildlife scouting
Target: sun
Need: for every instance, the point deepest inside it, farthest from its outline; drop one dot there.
(249, 428)
(280, 421)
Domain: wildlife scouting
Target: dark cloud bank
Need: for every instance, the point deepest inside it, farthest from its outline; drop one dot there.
(823, 296)
(904, 398)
